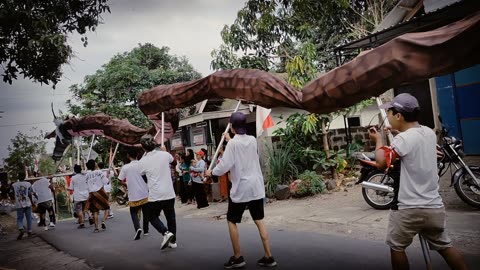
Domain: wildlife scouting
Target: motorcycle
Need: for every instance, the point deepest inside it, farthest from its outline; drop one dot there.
(121, 197)
(371, 175)
(378, 185)
(465, 179)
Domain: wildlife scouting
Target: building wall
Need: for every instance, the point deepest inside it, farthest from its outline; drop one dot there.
(458, 97)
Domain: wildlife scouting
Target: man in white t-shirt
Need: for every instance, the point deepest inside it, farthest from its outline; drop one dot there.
(419, 207)
(248, 190)
(155, 165)
(22, 191)
(108, 186)
(43, 192)
(130, 174)
(79, 186)
(97, 198)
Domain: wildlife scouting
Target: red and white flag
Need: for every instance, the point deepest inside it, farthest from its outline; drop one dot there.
(264, 120)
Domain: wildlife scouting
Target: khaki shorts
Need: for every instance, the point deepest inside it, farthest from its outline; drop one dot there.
(404, 224)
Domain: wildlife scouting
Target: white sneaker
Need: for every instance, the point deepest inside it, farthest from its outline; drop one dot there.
(167, 237)
(137, 234)
(45, 228)
(172, 245)
(52, 224)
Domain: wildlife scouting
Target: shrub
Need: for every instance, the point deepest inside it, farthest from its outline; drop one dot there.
(311, 184)
(281, 168)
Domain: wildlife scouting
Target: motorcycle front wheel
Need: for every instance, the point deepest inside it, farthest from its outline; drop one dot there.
(380, 200)
(121, 201)
(467, 189)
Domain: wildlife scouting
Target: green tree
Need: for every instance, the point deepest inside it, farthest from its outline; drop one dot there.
(47, 166)
(33, 35)
(22, 152)
(114, 88)
(265, 33)
(298, 37)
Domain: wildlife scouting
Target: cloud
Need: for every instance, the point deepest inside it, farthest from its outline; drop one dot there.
(190, 28)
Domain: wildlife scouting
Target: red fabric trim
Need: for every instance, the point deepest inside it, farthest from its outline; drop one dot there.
(390, 155)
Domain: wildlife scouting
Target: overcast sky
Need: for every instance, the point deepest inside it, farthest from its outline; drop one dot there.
(189, 27)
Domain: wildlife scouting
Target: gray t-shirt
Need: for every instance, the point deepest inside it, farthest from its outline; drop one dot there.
(41, 187)
(22, 191)
(418, 175)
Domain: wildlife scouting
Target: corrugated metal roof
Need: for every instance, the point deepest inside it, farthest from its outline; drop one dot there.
(425, 22)
(397, 14)
(433, 5)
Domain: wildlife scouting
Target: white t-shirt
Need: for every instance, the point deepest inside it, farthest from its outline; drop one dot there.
(137, 188)
(80, 187)
(41, 188)
(95, 180)
(22, 191)
(418, 175)
(156, 166)
(241, 159)
(108, 185)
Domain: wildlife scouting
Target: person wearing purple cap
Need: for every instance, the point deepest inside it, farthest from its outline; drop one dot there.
(418, 206)
(248, 190)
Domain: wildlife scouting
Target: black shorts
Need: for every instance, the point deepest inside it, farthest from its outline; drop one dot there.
(43, 207)
(235, 210)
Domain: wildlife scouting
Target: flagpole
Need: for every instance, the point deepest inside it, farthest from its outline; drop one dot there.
(222, 139)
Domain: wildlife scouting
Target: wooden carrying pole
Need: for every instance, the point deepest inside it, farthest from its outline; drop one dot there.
(91, 146)
(223, 139)
(113, 158)
(163, 129)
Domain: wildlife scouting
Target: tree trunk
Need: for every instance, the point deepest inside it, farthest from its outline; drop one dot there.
(326, 147)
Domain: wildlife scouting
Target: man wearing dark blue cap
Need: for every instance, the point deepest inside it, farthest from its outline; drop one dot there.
(241, 159)
(419, 207)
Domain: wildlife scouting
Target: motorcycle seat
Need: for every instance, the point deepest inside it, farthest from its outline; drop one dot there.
(362, 155)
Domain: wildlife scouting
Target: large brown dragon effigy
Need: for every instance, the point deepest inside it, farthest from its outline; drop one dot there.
(407, 58)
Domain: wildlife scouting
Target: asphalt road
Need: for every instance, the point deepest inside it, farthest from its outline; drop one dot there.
(204, 244)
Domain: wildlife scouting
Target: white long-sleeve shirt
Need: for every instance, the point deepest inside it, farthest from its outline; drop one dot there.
(241, 159)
